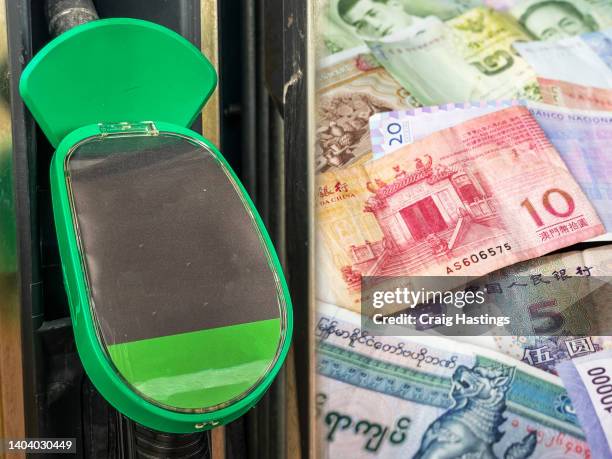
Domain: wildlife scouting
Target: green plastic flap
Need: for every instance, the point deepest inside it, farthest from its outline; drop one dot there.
(115, 70)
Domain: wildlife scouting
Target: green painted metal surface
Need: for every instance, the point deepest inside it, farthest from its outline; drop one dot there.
(116, 70)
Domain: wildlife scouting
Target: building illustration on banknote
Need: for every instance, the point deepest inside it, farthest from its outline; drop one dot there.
(427, 212)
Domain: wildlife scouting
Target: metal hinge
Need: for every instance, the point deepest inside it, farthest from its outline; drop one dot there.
(126, 128)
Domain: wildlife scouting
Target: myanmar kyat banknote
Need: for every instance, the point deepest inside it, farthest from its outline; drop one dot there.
(351, 87)
(588, 381)
(392, 397)
(582, 138)
(436, 207)
(585, 60)
(345, 24)
(556, 19)
(469, 57)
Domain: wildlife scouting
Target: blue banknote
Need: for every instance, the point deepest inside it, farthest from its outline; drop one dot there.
(588, 382)
(433, 398)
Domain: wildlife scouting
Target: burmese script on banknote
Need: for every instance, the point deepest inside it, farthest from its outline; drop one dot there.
(464, 201)
(541, 311)
(463, 229)
(392, 397)
(351, 88)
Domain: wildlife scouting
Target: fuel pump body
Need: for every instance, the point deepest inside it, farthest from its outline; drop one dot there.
(180, 310)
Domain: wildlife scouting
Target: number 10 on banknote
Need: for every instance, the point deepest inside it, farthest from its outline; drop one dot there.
(466, 200)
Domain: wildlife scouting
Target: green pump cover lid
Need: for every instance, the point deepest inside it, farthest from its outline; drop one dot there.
(180, 310)
(107, 88)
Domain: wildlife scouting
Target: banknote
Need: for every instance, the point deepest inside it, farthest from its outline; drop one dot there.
(431, 207)
(547, 310)
(575, 59)
(348, 23)
(351, 87)
(393, 397)
(572, 95)
(334, 34)
(390, 131)
(562, 301)
(587, 380)
(557, 19)
(601, 43)
(469, 57)
(552, 298)
(582, 138)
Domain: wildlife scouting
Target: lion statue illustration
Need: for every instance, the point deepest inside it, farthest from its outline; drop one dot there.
(470, 428)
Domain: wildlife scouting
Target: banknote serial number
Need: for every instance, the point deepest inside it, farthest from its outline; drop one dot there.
(601, 381)
(477, 257)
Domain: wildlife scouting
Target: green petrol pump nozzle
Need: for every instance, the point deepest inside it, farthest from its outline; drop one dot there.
(180, 309)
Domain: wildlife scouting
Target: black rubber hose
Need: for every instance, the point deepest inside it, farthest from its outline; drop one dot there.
(63, 15)
(149, 444)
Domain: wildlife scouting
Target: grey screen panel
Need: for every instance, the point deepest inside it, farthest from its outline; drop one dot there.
(168, 243)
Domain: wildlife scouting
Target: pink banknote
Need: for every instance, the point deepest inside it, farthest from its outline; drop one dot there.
(466, 201)
(572, 95)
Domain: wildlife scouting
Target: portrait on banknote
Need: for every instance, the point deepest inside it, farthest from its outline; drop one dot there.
(554, 19)
(347, 23)
(374, 19)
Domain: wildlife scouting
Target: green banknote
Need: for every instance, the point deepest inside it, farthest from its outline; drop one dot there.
(429, 397)
(469, 57)
(348, 23)
(554, 19)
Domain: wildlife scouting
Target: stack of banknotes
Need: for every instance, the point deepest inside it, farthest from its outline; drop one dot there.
(465, 138)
